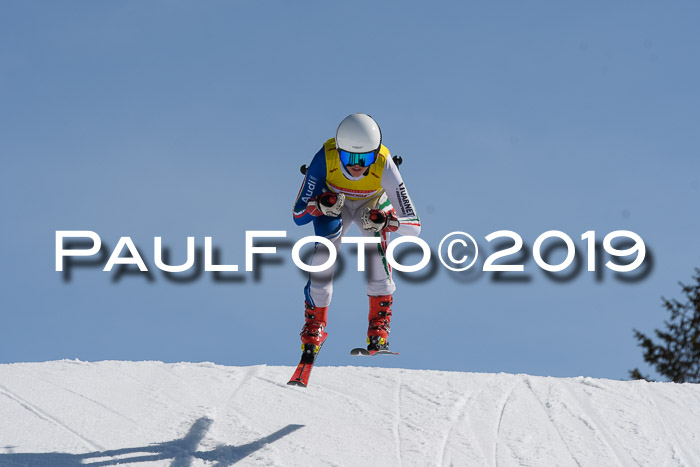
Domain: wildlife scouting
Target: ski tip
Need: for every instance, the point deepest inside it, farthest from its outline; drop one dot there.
(296, 382)
(359, 351)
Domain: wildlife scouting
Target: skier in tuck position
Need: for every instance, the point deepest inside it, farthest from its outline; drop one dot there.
(353, 180)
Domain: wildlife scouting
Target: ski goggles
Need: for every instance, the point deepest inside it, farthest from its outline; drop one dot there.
(363, 159)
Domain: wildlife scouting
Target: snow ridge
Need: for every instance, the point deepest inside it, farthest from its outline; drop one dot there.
(70, 413)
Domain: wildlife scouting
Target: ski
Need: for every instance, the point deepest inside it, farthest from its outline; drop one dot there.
(306, 364)
(301, 375)
(371, 353)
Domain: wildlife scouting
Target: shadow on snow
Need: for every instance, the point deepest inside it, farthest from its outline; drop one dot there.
(182, 451)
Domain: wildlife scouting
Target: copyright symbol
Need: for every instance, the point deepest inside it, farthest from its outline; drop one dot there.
(466, 241)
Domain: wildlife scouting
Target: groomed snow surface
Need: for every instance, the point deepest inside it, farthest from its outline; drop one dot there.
(70, 413)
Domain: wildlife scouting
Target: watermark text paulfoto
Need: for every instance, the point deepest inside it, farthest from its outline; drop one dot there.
(457, 251)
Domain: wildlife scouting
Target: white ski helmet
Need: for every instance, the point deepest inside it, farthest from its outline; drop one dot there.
(358, 133)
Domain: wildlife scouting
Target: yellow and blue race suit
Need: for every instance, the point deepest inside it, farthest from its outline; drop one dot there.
(380, 187)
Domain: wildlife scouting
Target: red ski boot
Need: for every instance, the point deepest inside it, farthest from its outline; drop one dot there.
(313, 331)
(379, 320)
(312, 337)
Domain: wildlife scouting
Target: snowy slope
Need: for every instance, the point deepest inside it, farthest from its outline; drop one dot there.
(70, 413)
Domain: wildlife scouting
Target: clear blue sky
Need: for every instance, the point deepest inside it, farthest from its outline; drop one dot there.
(191, 118)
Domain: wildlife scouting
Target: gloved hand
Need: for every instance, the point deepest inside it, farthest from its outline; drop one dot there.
(377, 220)
(328, 203)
